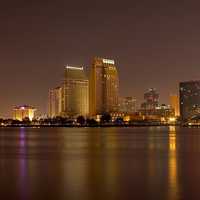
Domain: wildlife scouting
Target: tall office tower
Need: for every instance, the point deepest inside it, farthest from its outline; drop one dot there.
(189, 99)
(151, 98)
(76, 92)
(104, 86)
(55, 102)
(128, 105)
(22, 112)
(174, 102)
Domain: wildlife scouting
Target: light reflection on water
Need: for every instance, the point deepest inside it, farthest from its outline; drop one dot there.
(173, 177)
(100, 163)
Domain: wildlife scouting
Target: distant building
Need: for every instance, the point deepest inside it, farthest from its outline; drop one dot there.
(174, 102)
(55, 101)
(104, 87)
(128, 105)
(165, 111)
(151, 98)
(23, 112)
(75, 92)
(189, 99)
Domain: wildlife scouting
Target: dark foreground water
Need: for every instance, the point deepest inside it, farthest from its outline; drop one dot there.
(100, 163)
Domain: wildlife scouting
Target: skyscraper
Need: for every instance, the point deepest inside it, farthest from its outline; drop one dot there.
(75, 92)
(151, 98)
(104, 86)
(189, 99)
(174, 102)
(55, 101)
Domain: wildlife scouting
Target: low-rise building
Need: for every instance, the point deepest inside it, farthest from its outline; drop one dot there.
(22, 112)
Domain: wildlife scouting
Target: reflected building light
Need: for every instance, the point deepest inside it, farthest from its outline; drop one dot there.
(172, 138)
(172, 164)
(22, 138)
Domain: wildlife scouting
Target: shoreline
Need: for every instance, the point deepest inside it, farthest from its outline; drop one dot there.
(93, 126)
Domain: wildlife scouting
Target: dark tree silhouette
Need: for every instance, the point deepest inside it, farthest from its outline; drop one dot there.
(81, 120)
(105, 118)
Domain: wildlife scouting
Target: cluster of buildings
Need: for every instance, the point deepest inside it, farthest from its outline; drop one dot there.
(98, 94)
(152, 109)
(185, 107)
(79, 95)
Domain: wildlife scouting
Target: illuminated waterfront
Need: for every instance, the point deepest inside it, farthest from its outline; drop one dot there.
(100, 163)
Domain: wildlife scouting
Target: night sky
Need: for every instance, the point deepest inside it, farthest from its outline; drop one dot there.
(155, 44)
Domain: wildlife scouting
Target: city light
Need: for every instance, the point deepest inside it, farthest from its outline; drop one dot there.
(107, 61)
(172, 119)
(75, 68)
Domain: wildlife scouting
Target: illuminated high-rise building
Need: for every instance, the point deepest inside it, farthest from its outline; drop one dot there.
(151, 98)
(23, 112)
(174, 102)
(55, 101)
(75, 92)
(104, 87)
(189, 99)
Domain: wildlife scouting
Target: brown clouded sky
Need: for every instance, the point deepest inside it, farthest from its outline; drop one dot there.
(155, 44)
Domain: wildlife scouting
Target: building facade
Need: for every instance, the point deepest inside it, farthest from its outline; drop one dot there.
(174, 102)
(22, 112)
(104, 87)
(165, 111)
(75, 92)
(55, 102)
(151, 98)
(189, 99)
(128, 105)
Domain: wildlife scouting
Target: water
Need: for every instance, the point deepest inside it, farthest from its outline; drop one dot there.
(100, 163)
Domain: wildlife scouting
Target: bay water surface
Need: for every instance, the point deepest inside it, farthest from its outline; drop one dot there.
(100, 163)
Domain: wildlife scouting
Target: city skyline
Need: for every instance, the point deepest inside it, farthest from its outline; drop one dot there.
(146, 41)
(87, 73)
(98, 95)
